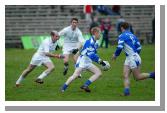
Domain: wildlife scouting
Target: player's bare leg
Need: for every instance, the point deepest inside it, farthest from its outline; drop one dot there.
(50, 68)
(141, 76)
(66, 58)
(126, 73)
(76, 73)
(24, 74)
(75, 57)
(96, 74)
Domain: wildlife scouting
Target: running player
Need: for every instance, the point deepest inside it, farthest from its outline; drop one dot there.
(73, 41)
(84, 62)
(129, 43)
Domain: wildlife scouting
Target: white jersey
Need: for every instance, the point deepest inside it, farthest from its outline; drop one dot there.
(46, 46)
(129, 43)
(72, 39)
(71, 36)
(39, 57)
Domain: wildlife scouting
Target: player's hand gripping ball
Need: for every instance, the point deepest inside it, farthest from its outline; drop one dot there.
(105, 67)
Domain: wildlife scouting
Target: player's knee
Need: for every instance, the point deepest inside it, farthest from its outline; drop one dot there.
(137, 77)
(99, 73)
(51, 68)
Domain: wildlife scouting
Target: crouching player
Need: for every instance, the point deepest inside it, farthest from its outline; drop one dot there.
(41, 57)
(129, 43)
(84, 61)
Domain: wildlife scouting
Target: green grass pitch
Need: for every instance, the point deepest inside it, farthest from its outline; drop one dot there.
(107, 88)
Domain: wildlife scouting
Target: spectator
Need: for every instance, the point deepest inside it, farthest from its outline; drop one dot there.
(105, 28)
(107, 10)
(104, 10)
(116, 9)
(88, 10)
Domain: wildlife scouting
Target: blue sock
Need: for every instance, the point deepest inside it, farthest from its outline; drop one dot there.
(64, 87)
(152, 75)
(87, 83)
(126, 91)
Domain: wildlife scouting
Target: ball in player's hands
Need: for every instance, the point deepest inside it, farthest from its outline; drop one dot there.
(106, 67)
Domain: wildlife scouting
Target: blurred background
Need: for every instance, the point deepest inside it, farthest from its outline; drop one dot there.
(27, 25)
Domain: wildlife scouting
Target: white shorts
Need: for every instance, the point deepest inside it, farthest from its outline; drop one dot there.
(38, 60)
(133, 61)
(83, 62)
(68, 47)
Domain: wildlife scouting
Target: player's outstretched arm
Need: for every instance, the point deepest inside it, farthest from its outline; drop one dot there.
(60, 56)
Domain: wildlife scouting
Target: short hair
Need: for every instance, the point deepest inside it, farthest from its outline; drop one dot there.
(125, 25)
(76, 19)
(94, 29)
(52, 33)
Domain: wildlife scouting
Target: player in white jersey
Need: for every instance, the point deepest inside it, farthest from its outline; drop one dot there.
(41, 57)
(73, 41)
(84, 61)
(129, 43)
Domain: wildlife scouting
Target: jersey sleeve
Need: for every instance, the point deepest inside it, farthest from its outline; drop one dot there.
(80, 37)
(62, 32)
(94, 57)
(119, 46)
(137, 46)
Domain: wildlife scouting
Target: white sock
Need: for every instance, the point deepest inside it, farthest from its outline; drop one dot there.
(20, 79)
(41, 76)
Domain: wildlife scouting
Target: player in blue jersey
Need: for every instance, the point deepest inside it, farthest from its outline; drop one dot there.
(129, 43)
(88, 54)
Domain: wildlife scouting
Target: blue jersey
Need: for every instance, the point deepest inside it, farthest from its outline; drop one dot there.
(90, 49)
(129, 43)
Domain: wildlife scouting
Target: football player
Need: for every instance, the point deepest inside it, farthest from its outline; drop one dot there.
(88, 54)
(73, 41)
(129, 43)
(42, 57)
